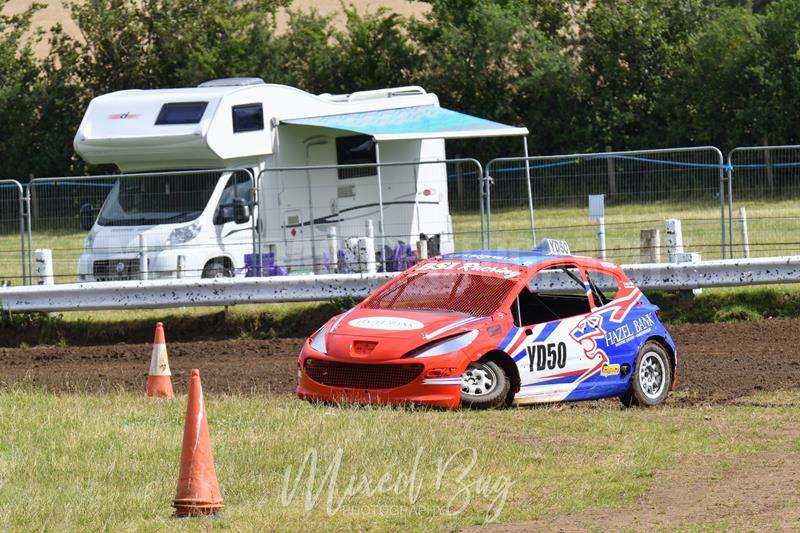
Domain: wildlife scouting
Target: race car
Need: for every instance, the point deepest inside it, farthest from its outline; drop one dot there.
(493, 328)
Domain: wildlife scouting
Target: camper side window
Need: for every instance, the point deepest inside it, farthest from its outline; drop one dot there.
(248, 117)
(181, 113)
(239, 185)
(355, 150)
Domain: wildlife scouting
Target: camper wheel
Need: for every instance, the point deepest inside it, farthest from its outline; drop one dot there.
(219, 267)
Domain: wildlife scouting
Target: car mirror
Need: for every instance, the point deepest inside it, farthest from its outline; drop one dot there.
(86, 217)
(241, 212)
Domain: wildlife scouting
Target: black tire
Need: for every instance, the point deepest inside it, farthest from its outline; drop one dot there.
(484, 385)
(651, 377)
(215, 269)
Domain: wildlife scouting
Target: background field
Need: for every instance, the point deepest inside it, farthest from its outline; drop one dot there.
(110, 461)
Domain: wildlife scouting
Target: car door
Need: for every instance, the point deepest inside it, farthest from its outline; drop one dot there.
(560, 348)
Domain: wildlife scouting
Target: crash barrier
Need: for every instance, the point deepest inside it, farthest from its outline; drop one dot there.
(626, 192)
(221, 291)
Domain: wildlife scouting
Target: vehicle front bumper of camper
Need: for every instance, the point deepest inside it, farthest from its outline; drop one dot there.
(167, 264)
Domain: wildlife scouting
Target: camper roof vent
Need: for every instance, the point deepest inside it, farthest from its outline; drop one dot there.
(386, 93)
(334, 97)
(232, 82)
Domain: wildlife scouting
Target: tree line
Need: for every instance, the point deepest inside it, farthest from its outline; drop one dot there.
(582, 76)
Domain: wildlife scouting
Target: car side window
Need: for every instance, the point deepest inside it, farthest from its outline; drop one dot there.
(240, 185)
(554, 293)
(604, 286)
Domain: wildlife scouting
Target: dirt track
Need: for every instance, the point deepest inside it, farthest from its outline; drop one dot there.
(717, 363)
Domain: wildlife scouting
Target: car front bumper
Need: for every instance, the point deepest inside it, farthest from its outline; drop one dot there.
(328, 379)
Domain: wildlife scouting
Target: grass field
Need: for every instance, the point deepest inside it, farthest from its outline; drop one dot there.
(80, 462)
(770, 226)
(773, 227)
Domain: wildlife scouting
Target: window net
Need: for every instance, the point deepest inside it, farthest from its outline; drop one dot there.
(473, 294)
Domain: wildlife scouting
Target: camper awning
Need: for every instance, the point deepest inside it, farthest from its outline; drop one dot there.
(419, 122)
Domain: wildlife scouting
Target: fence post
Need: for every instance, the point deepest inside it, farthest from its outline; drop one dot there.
(650, 246)
(674, 239)
(768, 164)
(460, 184)
(743, 226)
(612, 177)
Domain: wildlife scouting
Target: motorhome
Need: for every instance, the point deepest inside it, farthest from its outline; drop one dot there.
(240, 177)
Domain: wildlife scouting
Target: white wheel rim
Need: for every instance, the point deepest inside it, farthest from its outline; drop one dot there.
(652, 375)
(478, 380)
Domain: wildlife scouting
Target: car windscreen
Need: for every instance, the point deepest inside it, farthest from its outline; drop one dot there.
(471, 294)
(166, 199)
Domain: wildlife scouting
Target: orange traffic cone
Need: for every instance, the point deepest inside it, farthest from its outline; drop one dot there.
(198, 490)
(159, 380)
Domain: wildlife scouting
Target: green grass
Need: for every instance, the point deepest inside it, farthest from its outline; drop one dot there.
(769, 225)
(772, 224)
(79, 462)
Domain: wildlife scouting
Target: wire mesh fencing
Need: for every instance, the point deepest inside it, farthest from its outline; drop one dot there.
(384, 217)
(140, 226)
(13, 261)
(765, 187)
(537, 197)
(369, 217)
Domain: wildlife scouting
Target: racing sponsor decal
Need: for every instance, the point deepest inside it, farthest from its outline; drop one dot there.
(506, 272)
(547, 356)
(609, 370)
(386, 323)
(624, 333)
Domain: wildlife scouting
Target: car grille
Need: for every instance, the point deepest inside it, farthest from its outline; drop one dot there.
(357, 376)
(116, 269)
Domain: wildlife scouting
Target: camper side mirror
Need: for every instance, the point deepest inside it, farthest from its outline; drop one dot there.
(241, 212)
(87, 217)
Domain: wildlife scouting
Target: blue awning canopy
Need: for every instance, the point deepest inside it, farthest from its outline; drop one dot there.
(418, 122)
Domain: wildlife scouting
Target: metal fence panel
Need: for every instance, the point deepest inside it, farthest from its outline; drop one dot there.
(641, 189)
(141, 218)
(319, 219)
(13, 262)
(765, 180)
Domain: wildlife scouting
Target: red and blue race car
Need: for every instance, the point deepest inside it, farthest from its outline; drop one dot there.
(491, 328)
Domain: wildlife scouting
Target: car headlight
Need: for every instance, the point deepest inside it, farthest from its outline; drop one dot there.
(184, 234)
(448, 345)
(318, 341)
(89, 241)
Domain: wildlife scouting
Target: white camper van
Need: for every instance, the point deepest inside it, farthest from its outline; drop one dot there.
(240, 177)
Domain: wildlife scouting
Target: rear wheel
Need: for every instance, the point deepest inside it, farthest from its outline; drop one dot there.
(651, 377)
(484, 385)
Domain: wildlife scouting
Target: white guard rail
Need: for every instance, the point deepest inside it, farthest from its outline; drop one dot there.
(180, 293)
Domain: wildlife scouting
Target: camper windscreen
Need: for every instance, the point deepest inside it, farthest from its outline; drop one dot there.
(147, 200)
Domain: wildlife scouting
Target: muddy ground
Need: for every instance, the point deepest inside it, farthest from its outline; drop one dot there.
(717, 363)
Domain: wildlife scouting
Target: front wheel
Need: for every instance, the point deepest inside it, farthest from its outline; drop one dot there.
(484, 385)
(216, 270)
(651, 377)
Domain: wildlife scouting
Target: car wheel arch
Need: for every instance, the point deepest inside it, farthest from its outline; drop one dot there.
(667, 348)
(504, 361)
